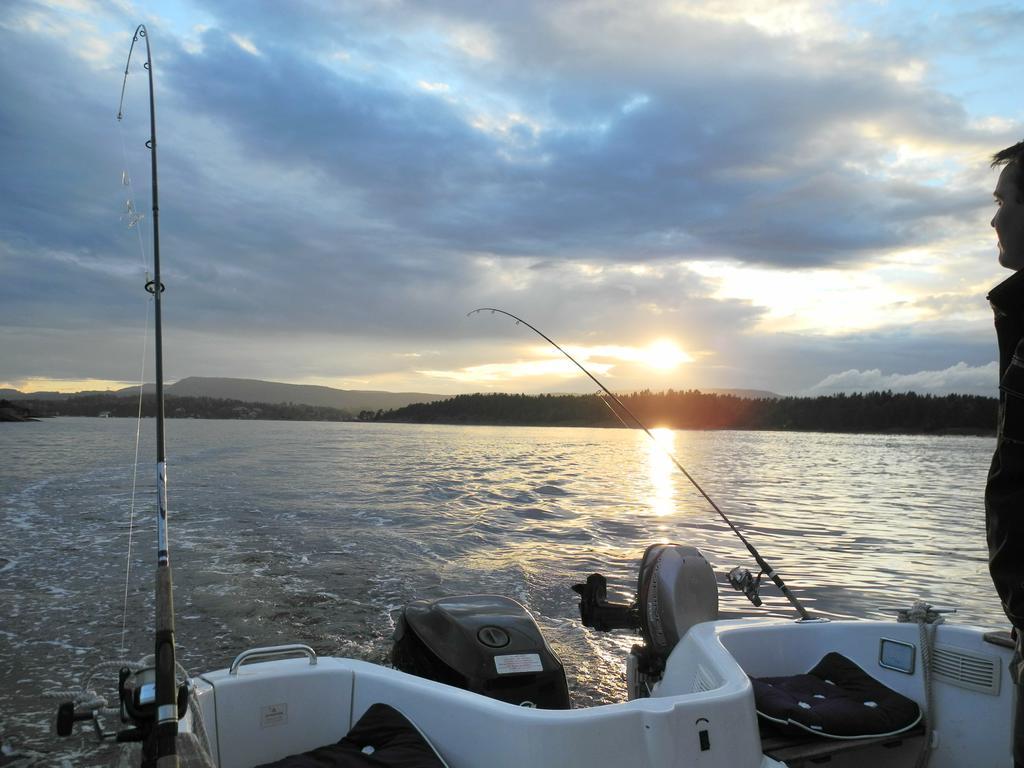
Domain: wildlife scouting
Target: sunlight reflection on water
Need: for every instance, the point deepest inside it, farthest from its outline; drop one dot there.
(662, 471)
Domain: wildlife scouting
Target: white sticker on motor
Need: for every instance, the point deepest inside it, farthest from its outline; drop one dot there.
(517, 663)
(273, 714)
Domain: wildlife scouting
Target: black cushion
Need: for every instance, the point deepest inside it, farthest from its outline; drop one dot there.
(836, 699)
(383, 738)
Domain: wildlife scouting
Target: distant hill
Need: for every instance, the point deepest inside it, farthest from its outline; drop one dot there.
(118, 406)
(254, 390)
(257, 391)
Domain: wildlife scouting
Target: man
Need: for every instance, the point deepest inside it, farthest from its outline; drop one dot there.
(1004, 492)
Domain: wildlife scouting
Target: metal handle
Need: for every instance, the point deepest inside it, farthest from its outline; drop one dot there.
(270, 651)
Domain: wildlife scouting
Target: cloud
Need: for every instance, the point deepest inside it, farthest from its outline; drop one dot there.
(366, 173)
(960, 378)
(585, 171)
(246, 45)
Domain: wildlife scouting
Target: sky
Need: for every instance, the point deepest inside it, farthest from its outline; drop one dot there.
(791, 196)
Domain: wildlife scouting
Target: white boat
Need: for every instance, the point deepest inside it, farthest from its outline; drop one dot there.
(689, 701)
(700, 713)
(698, 708)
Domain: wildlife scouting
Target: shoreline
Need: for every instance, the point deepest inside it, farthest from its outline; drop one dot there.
(945, 432)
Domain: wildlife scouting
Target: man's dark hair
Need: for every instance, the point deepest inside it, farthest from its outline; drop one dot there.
(1014, 154)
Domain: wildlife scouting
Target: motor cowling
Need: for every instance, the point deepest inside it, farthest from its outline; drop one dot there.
(487, 644)
(676, 589)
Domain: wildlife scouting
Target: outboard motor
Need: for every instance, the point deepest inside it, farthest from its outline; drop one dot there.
(482, 643)
(676, 589)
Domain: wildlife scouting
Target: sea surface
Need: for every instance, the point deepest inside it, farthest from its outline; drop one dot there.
(319, 532)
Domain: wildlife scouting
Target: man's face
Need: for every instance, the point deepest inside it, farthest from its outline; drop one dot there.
(1009, 219)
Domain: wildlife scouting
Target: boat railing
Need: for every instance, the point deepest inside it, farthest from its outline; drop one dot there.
(272, 652)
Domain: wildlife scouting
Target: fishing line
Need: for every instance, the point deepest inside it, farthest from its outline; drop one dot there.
(615, 413)
(135, 475)
(761, 562)
(131, 214)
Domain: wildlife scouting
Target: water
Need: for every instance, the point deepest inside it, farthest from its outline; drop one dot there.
(318, 533)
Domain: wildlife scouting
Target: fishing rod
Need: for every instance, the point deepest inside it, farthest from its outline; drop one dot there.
(167, 710)
(743, 582)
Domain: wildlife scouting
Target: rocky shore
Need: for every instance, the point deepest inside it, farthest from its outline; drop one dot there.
(12, 412)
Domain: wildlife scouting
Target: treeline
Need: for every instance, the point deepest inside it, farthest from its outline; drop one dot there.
(692, 409)
(182, 408)
(870, 412)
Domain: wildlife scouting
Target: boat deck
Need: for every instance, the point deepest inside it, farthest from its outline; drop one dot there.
(797, 751)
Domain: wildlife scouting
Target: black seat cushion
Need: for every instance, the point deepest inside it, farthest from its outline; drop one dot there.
(836, 699)
(383, 738)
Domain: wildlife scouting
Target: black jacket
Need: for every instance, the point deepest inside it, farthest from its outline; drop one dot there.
(1004, 491)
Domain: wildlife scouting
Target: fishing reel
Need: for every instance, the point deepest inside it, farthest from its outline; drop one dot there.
(742, 581)
(137, 692)
(68, 714)
(137, 695)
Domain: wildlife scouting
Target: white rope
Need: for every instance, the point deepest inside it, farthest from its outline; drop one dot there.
(87, 697)
(198, 726)
(927, 620)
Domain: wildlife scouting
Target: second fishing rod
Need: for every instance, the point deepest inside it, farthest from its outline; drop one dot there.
(743, 582)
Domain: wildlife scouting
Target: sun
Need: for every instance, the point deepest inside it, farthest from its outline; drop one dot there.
(663, 355)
